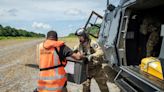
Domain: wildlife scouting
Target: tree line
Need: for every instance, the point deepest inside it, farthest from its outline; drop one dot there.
(13, 32)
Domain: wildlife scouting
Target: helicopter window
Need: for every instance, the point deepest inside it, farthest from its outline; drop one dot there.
(124, 23)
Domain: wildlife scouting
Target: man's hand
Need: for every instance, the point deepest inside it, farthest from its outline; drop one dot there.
(77, 56)
(80, 55)
(90, 57)
(93, 59)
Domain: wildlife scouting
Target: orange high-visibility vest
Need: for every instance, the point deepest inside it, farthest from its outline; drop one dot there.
(52, 76)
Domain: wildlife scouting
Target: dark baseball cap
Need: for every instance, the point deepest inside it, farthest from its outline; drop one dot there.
(52, 35)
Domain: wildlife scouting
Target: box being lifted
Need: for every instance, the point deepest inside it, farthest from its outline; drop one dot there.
(76, 71)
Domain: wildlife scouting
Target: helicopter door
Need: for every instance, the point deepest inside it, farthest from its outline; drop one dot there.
(109, 45)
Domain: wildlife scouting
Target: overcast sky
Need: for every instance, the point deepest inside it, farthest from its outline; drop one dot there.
(40, 16)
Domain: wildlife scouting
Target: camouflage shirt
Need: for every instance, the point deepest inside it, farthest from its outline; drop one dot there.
(92, 47)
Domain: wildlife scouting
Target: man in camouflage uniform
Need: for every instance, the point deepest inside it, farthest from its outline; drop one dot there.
(152, 28)
(153, 39)
(94, 53)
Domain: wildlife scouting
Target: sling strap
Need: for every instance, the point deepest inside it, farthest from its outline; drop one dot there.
(61, 65)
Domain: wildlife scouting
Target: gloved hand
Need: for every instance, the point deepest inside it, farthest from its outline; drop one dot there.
(90, 57)
(95, 62)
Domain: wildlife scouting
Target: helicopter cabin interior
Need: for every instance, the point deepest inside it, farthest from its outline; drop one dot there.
(143, 20)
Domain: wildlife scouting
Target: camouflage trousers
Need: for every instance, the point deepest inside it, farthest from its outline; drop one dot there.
(99, 75)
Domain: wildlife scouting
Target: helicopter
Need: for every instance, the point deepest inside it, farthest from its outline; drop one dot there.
(124, 45)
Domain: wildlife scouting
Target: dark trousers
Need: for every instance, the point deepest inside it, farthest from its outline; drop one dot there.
(65, 88)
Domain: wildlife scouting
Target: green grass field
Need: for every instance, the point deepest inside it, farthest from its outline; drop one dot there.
(16, 38)
(71, 41)
(8, 41)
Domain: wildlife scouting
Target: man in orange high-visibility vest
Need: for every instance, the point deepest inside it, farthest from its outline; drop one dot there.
(52, 60)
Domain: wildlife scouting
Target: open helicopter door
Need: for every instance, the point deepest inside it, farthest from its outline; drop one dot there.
(132, 79)
(93, 23)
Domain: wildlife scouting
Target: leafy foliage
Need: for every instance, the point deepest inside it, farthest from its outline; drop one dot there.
(94, 30)
(12, 32)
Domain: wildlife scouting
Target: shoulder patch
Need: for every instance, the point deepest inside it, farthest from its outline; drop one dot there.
(95, 45)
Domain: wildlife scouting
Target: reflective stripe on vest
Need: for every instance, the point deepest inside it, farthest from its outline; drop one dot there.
(50, 89)
(52, 77)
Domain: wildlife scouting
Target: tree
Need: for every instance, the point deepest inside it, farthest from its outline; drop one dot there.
(13, 32)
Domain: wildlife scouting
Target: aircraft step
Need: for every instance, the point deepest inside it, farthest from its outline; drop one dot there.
(134, 78)
(125, 87)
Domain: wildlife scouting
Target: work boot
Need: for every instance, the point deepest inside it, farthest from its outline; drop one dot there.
(86, 86)
(64, 89)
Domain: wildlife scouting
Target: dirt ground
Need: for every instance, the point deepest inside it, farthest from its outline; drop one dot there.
(16, 75)
(18, 68)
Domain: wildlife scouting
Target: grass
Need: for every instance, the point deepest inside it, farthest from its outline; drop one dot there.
(71, 41)
(7, 41)
(16, 38)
